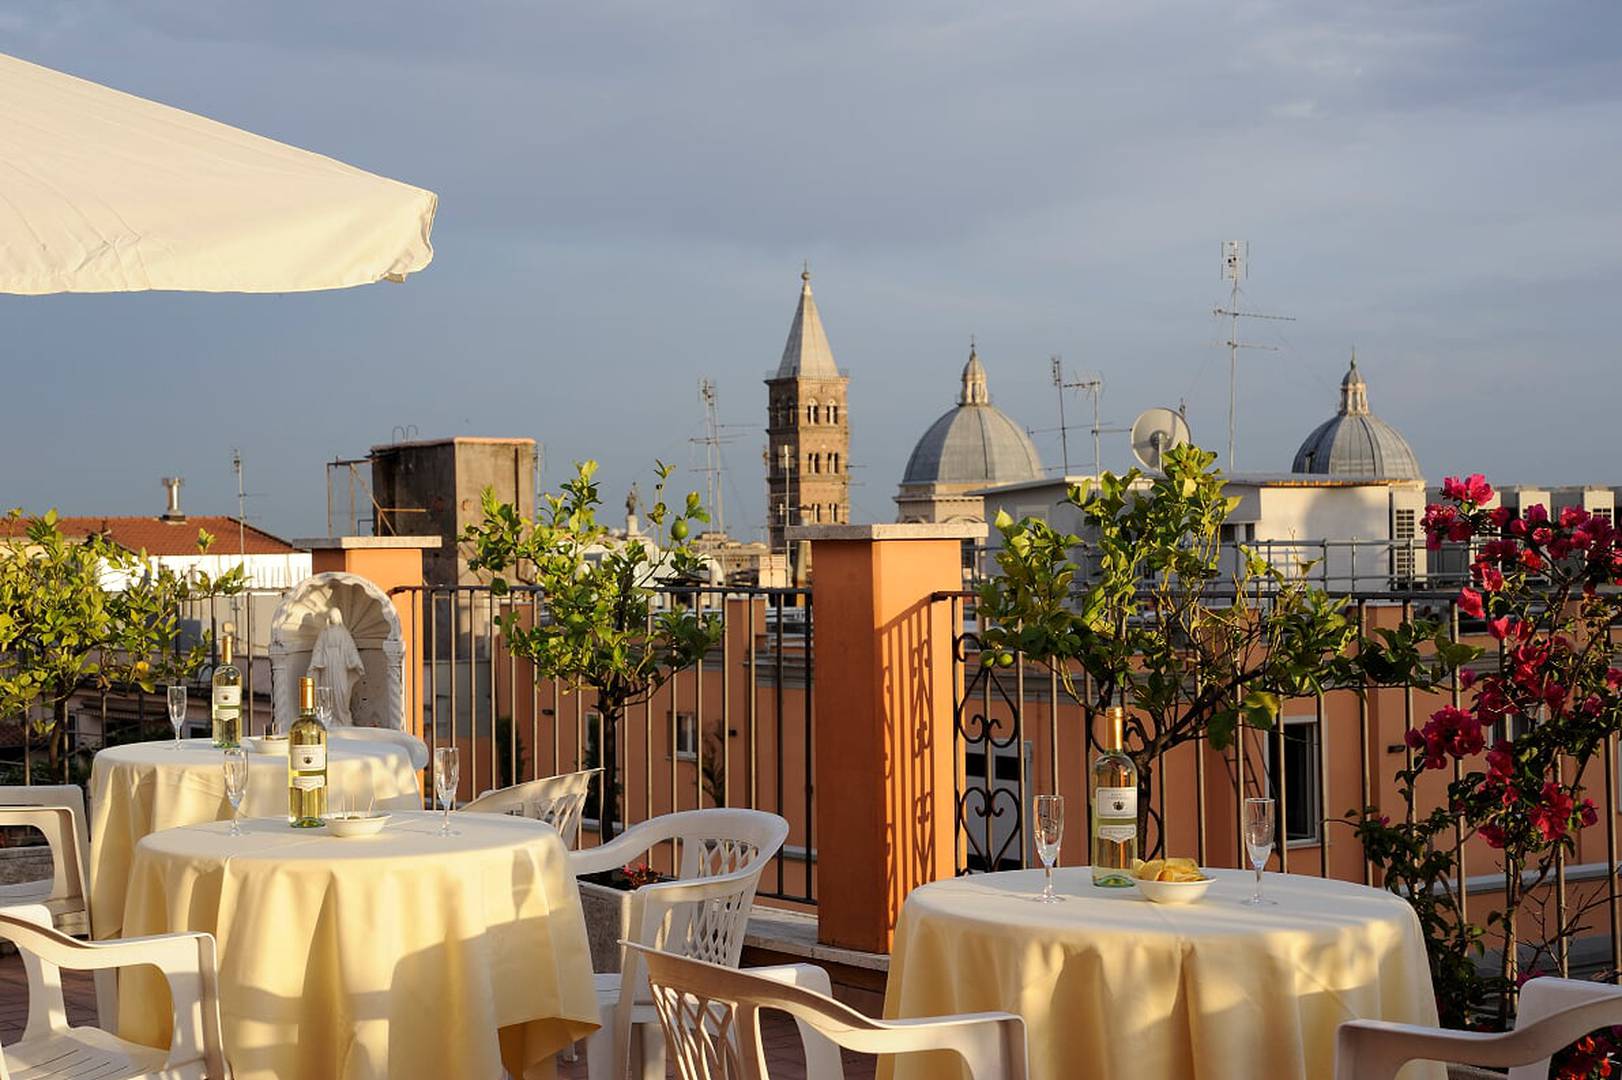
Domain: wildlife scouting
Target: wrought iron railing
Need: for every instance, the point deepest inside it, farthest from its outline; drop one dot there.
(734, 730)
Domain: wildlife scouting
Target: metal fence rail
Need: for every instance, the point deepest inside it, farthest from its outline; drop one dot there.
(1017, 733)
(734, 730)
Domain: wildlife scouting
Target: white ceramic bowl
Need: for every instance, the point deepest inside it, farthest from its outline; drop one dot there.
(356, 824)
(1174, 892)
(274, 745)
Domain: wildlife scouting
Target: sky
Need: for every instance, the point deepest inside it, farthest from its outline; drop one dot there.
(628, 191)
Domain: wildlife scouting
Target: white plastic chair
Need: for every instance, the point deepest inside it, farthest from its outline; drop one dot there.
(1554, 1013)
(704, 914)
(711, 1016)
(50, 1049)
(57, 811)
(560, 801)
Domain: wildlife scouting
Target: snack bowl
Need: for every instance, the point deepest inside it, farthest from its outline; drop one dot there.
(274, 745)
(356, 824)
(1174, 892)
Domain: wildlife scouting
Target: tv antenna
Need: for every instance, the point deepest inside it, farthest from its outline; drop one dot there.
(714, 464)
(242, 505)
(1235, 268)
(1154, 432)
(1093, 386)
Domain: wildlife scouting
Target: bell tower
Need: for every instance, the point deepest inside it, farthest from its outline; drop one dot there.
(807, 431)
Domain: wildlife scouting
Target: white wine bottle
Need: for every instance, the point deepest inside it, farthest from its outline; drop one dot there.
(307, 763)
(225, 708)
(1115, 810)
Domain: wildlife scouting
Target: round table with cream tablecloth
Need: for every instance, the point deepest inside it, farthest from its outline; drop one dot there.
(1113, 987)
(142, 788)
(401, 955)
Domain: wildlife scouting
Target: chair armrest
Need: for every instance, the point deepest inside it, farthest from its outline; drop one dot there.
(616, 853)
(1376, 1049)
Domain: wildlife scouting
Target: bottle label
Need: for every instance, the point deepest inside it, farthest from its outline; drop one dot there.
(310, 783)
(307, 758)
(1116, 802)
(227, 697)
(1120, 834)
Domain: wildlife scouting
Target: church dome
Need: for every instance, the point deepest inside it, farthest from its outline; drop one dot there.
(1355, 442)
(975, 443)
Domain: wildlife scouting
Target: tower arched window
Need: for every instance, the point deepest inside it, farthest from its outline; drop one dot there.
(813, 412)
(833, 462)
(833, 413)
(815, 464)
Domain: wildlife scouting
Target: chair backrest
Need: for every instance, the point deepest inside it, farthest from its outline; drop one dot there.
(1554, 1018)
(58, 811)
(1543, 997)
(560, 801)
(711, 1018)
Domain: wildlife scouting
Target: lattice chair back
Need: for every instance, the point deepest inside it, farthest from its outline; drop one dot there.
(719, 857)
(560, 801)
(711, 1020)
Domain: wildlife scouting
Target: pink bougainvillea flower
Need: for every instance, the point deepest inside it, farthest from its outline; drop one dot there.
(1453, 488)
(1542, 535)
(1537, 514)
(1493, 834)
(1499, 516)
(1501, 627)
(1470, 604)
(1517, 527)
(1588, 814)
(1613, 678)
(1572, 516)
(1501, 760)
(1531, 560)
(1467, 679)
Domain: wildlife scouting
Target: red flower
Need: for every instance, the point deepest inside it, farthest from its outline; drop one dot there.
(1572, 516)
(1501, 627)
(1493, 834)
(1537, 514)
(1472, 489)
(1542, 535)
(1470, 603)
(1517, 527)
(1501, 760)
(1532, 560)
(1588, 813)
(1467, 679)
(1613, 678)
(1499, 516)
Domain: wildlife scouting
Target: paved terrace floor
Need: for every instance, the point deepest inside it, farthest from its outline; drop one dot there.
(782, 1041)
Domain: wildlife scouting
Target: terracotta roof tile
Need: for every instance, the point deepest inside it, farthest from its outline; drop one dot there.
(158, 537)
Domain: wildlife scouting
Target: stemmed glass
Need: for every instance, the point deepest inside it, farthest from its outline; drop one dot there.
(1048, 816)
(1259, 841)
(236, 783)
(177, 710)
(323, 705)
(447, 771)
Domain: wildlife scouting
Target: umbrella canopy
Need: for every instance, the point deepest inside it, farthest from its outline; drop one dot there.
(101, 191)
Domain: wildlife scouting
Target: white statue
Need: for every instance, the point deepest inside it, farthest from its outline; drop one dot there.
(335, 662)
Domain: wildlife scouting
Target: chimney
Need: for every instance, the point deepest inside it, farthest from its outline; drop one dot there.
(172, 512)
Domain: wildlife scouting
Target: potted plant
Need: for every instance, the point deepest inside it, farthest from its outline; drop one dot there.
(600, 629)
(1544, 588)
(86, 613)
(1195, 638)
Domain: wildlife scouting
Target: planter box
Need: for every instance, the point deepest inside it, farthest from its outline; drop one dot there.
(608, 921)
(31, 863)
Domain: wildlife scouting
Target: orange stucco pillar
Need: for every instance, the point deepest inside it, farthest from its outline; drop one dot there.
(882, 716)
(393, 564)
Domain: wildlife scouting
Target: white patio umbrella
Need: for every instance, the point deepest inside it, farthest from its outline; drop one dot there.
(101, 191)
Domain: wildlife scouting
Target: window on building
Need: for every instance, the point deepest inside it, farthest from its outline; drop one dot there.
(833, 414)
(833, 463)
(816, 513)
(816, 463)
(1603, 512)
(812, 411)
(1303, 798)
(686, 736)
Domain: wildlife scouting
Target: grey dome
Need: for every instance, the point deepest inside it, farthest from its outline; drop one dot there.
(974, 443)
(1355, 442)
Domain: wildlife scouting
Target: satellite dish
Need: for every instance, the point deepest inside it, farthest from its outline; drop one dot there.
(1154, 432)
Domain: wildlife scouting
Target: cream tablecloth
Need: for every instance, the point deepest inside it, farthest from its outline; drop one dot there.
(141, 788)
(402, 955)
(1113, 987)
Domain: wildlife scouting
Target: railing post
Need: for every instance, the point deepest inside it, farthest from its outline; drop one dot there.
(882, 742)
(393, 564)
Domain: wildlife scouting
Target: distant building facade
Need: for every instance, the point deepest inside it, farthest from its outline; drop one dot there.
(972, 447)
(807, 430)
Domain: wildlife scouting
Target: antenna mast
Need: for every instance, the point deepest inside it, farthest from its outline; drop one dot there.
(1093, 386)
(714, 479)
(242, 505)
(1235, 267)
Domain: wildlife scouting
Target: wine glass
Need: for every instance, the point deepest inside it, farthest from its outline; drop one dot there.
(1048, 816)
(177, 709)
(323, 705)
(447, 771)
(236, 783)
(1259, 841)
